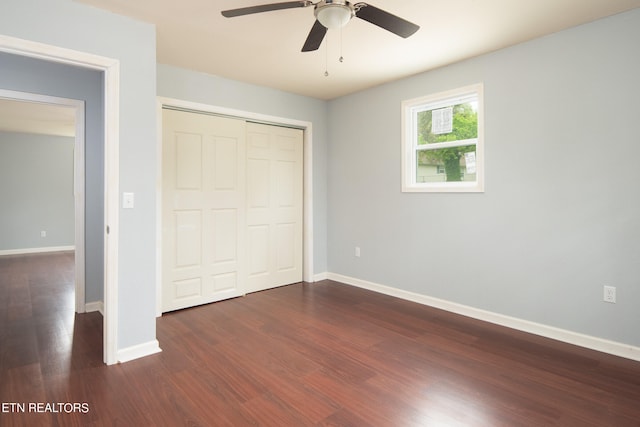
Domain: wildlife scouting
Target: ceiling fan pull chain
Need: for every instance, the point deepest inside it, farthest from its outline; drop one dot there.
(326, 59)
(341, 59)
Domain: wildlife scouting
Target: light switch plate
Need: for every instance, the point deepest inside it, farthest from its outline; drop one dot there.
(127, 200)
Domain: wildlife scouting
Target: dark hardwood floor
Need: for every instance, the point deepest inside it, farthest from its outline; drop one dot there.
(321, 354)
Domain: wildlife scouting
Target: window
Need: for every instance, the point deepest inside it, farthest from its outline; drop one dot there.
(442, 142)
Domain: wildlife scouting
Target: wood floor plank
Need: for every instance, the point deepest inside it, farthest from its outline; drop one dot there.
(344, 418)
(209, 400)
(288, 380)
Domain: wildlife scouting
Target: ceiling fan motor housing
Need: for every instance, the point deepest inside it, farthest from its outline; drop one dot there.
(333, 13)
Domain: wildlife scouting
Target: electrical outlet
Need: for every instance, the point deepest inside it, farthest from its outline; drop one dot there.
(610, 294)
(357, 252)
(43, 233)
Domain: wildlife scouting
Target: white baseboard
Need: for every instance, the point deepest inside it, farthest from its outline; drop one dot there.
(593, 343)
(320, 276)
(138, 351)
(25, 251)
(94, 306)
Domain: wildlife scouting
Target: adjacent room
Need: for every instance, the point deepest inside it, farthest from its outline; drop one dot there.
(399, 213)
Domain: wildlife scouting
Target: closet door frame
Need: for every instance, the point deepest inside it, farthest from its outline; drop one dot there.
(307, 227)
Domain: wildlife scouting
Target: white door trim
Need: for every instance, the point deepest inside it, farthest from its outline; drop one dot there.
(78, 179)
(307, 232)
(111, 69)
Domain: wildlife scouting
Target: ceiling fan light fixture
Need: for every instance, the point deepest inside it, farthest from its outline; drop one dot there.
(333, 14)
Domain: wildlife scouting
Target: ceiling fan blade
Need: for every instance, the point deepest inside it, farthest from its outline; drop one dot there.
(264, 8)
(385, 20)
(315, 37)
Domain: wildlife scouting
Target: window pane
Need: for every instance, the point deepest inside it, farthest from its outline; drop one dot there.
(456, 164)
(454, 123)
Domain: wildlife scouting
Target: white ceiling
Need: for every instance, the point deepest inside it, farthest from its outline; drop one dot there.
(264, 48)
(33, 117)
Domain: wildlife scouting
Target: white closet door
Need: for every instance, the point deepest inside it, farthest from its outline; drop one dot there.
(274, 206)
(203, 208)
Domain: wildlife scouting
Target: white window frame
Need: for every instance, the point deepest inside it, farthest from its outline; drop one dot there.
(410, 108)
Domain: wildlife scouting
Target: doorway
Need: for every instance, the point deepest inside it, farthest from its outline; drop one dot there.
(109, 68)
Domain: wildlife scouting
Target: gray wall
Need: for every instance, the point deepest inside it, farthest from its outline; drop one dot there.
(192, 86)
(47, 78)
(82, 28)
(36, 191)
(560, 216)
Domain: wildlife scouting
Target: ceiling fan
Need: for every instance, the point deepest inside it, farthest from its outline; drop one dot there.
(332, 14)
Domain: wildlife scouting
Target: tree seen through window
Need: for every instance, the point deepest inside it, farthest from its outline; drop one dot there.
(464, 127)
